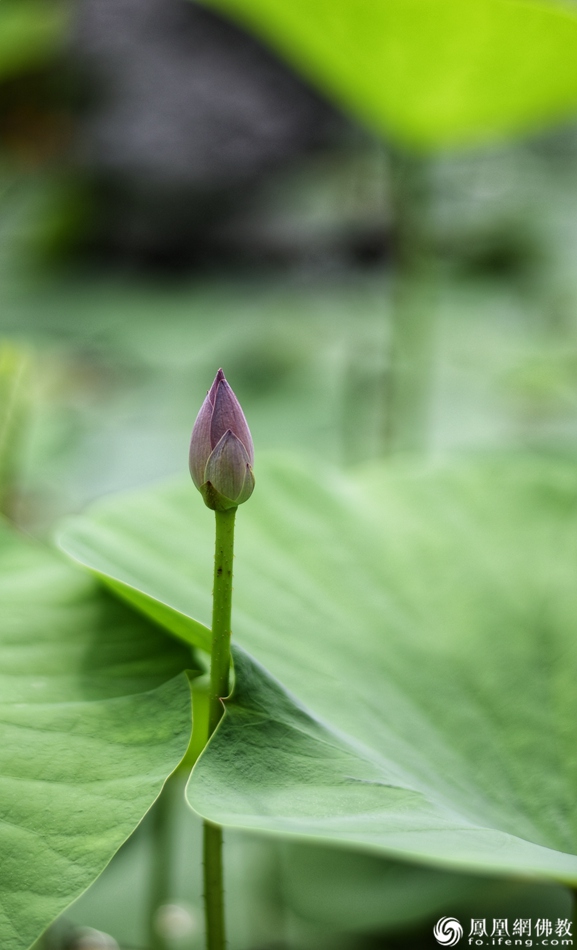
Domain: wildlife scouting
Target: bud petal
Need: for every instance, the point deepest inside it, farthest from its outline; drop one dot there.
(247, 488)
(200, 447)
(228, 416)
(227, 468)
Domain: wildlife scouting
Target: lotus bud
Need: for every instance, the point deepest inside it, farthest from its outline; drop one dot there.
(221, 450)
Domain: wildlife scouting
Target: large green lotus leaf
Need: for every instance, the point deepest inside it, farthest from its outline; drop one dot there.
(270, 880)
(94, 715)
(430, 73)
(406, 653)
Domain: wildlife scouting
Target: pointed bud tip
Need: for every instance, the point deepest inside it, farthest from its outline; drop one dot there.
(218, 379)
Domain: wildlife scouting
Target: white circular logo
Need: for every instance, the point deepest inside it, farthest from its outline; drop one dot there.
(448, 931)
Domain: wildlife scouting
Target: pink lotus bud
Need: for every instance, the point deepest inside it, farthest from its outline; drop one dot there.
(221, 450)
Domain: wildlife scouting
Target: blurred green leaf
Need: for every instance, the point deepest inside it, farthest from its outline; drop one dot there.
(31, 31)
(429, 73)
(413, 687)
(345, 890)
(92, 721)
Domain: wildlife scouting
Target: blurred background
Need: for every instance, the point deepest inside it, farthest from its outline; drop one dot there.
(175, 198)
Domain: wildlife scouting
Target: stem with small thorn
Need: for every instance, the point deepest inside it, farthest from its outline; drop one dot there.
(219, 687)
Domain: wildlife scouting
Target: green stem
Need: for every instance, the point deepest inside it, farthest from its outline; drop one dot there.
(221, 612)
(219, 688)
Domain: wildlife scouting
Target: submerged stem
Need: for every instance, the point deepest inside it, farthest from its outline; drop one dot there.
(219, 687)
(411, 344)
(213, 887)
(161, 863)
(14, 411)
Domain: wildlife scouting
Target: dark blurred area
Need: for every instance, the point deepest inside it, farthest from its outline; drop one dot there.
(185, 117)
(169, 124)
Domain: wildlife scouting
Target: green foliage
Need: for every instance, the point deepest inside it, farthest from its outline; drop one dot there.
(31, 32)
(429, 73)
(93, 718)
(409, 680)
